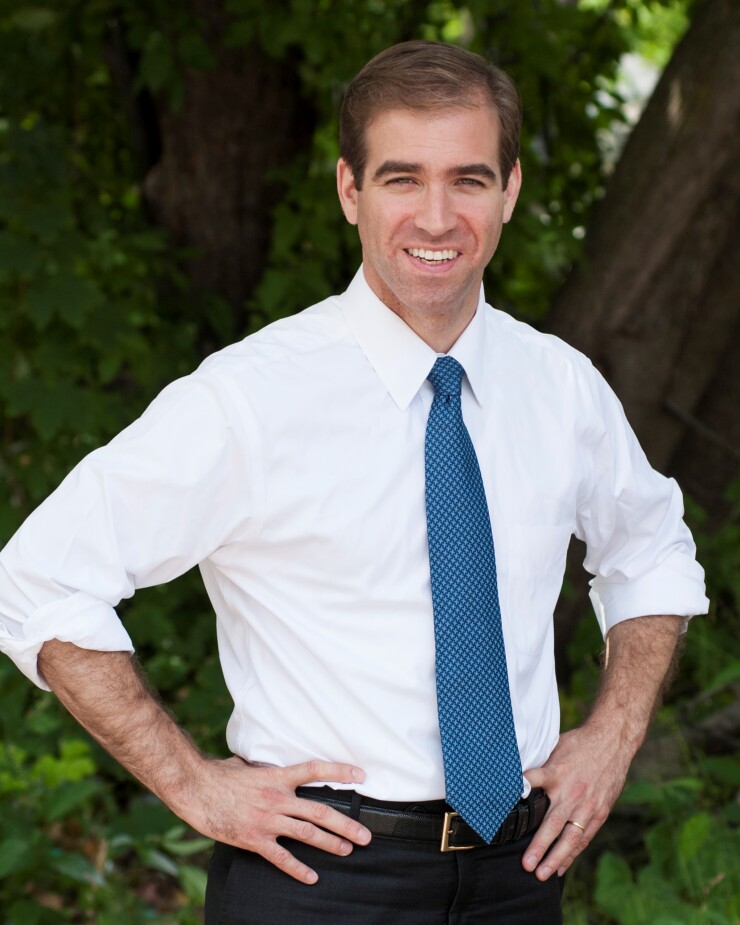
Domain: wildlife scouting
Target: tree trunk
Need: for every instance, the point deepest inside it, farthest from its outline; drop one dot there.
(213, 187)
(655, 301)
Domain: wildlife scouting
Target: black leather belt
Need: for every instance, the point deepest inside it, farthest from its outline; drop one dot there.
(444, 827)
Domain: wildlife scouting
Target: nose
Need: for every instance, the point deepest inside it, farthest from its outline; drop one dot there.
(435, 213)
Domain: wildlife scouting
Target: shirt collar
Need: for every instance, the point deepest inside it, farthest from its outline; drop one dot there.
(470, 350)
(400, 357)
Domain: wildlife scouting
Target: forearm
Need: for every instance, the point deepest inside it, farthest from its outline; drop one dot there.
(641, 656)
(586, 771)
(105, 692)
(231, 800)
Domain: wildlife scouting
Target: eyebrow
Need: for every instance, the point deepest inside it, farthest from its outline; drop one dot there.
(388, 167)
(475, 170)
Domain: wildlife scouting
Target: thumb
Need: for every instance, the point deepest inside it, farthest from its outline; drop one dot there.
(537, 777)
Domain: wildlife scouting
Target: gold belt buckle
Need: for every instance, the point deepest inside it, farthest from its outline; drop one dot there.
(447, 830)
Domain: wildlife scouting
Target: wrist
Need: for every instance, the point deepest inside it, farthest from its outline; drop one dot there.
(179, 789)
(620, 730)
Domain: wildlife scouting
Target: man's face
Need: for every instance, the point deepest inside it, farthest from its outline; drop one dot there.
(430, 210)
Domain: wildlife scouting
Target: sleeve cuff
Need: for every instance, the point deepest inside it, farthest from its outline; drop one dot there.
(83, 620)
(675, 587)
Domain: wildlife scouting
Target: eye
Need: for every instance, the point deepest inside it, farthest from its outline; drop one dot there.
(400, 181)
(470, 181)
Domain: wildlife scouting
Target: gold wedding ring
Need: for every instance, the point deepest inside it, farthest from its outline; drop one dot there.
(578, 825)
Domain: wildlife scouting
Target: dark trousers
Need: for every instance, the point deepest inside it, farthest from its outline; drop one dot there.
(389, 882)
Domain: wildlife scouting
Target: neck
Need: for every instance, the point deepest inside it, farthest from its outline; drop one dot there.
(441, 330)
(438, 318)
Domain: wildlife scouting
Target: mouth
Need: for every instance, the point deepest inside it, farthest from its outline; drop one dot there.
(430, 257)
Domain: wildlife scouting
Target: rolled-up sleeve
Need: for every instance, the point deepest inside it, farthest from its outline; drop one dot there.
(163, 495)
(639, 550)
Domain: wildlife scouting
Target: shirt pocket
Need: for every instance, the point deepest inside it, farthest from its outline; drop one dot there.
(535, 568)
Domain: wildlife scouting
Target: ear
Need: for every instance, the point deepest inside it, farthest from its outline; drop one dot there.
(348, 192)
(511, 193)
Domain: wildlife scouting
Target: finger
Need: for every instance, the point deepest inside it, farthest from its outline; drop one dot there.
(328, 818)
(305, 831)
(550, 829)
(566, 849)
(317, 771)
(582, 843)
(282, 859)
(537, 777)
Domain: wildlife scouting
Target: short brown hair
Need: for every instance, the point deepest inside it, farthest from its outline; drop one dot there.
(423, 76)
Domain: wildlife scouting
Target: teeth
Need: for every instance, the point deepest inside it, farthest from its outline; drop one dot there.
(432, 256)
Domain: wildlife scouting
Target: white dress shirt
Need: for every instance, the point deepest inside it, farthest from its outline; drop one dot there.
(290, 468)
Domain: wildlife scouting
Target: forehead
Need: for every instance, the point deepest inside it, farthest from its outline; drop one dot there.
(461, 135)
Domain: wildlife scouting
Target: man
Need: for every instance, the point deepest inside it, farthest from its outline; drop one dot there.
(309, 471)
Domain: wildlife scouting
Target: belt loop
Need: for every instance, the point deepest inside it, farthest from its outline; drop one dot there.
(523, 820)
(509, 827)
(354, 806)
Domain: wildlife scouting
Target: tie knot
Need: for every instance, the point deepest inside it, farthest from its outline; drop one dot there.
(446, 376)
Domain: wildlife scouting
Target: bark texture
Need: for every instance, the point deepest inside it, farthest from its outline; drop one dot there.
(213, 187)
(656, 301)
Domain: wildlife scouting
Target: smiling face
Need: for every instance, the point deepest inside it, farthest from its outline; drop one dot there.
(430, 213)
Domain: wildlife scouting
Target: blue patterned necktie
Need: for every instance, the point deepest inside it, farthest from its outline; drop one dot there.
(483, 771)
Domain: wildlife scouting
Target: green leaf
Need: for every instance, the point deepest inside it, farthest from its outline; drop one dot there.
(61, 802)
(730, 674)
(146, 816)
(19, 255)
(50, 410)
(195, 51)
(120, 843)
(29, 912)
(33, 18)
(638, 793)
(732, 814)
(240, 34)
(66, 295)
(613, 882)
(193, 881)
(158, 861)
(187, 847)
(73, 764)
(14, 854)
(156, 68)
(77, 868)
(724, 768)
(693, 835)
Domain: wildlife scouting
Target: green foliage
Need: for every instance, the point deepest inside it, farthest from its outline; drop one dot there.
(712, 661)
(653, 27)
(687, 870)
(89, 293)
(94, 319)
(96, 315)
(82, 276)
(564, 59)
(69, 853)
(692, 876)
